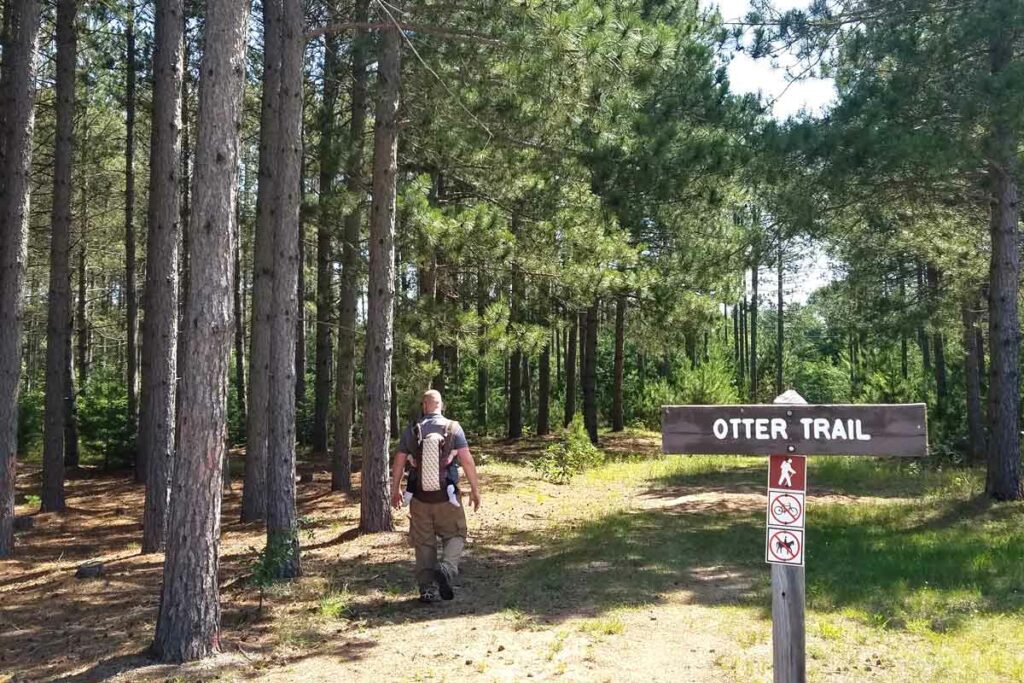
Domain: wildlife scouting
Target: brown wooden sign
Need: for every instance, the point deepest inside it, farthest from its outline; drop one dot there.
(883, 430)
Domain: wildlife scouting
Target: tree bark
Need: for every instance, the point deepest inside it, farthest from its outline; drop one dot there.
(618, 423)
(904, 346)
(779, 326)
(189, 616)
(527, 387)
(481, 360)
(254, 486)
(81, 316)
(544, 392)
(282, 520)
(753, 332)
(938, 342)
(330, 165)
(972, 381)
(299, 345)
(72, 453)
(589, 377)
(375, 508)
(1003, 481)
(922, 333)
(737, 356)
(744, 344)
(570, 371)
(515, 384)
(130, 289)
(341, 470)
(17, 106)
(240, 394)
(160, 324)
(58, 333)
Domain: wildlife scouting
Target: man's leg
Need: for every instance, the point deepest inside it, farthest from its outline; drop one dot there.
(450, 525)
(423, 539)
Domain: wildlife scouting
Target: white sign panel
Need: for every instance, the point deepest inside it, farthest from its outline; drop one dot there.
(786, 508)
(785, 546)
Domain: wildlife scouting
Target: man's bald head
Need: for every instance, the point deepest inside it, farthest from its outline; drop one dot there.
(432, 401)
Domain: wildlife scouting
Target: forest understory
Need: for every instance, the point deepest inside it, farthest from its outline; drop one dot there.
(648, 568)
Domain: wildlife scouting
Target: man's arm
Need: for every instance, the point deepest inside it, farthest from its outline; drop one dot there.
(468, 464)
(397, 470)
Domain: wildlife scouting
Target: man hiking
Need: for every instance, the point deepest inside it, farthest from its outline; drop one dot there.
(434, 447)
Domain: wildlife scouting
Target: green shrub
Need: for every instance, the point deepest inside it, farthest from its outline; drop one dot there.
(709, 383)
(572, 455)
(103, 419)
(30, 419)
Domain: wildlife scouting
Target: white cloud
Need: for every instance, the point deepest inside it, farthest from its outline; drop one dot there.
(748, 75)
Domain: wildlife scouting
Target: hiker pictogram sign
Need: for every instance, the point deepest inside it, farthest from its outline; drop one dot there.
(785, 546)
(785, 508)
(787, 472)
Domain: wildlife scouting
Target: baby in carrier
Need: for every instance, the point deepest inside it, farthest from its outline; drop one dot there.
(433, 475)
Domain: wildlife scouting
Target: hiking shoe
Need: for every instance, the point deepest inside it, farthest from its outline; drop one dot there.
(444, 584)
(429, 595)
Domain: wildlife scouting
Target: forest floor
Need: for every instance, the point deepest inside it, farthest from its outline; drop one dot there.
(647, 569)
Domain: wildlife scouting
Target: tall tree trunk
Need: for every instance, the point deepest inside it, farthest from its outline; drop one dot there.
(299, 345)
(240, 394)
(282, 524)
(558, 356)
(72, 453)
(618, 424)
(58, 333)
(160, 324)
(589, 377)
(186, 211)
(779, 325)
(81, 315)
(17, 107)
(481, 362)
(570, 370)
(527, 387)
(341, 477)
(188, 621)
(254, 487)
(938, 342)
(544, 392)
(330, 164)
(131, 297)
(922, 333)
(753, 332)
(375, 507)
(737, 356)
(904, 350)
(972, 381)
(515, 385)
(1004, 461)
(744, 345)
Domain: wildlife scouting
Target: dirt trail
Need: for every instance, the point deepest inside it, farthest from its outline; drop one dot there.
(353, 616)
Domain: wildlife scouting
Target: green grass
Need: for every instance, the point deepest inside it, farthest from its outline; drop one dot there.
(900, 555)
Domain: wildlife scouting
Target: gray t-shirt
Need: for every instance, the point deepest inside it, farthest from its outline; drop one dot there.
(433, 423)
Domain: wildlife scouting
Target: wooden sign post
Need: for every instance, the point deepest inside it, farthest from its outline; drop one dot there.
(789, 430)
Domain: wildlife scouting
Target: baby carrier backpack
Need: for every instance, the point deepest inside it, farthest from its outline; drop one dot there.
(433, 465)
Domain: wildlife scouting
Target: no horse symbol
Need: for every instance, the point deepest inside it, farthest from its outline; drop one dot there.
(785, 546)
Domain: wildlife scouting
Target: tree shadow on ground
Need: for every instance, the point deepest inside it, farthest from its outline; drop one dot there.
(854, 476)
(892, 563)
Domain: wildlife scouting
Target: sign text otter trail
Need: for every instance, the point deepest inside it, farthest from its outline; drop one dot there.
(886, 430)
(788, 430)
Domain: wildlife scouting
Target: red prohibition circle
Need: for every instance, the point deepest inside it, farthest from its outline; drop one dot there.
(774, 502)
(772, 551)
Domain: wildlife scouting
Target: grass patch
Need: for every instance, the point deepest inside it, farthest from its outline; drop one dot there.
(336, 605)
(602, 626)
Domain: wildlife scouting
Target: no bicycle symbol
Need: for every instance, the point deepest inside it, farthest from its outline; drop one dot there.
(785, 508)
(785, 546)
